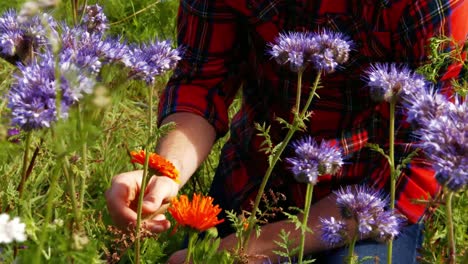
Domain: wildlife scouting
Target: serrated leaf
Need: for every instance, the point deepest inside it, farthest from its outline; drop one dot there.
(406, 161)
(377, 148)
(281, 253)
(294, 219)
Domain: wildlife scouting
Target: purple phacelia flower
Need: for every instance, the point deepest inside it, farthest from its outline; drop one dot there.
(11, 34)
(40, 28)
(13, 135)
(111, 50)
(334, 232)
(333, 51)
(147, 61)
(32, 98)
(360, 200)
(367, 207)
(325, 51)
(10, 41)
(82, 48)
(444, 139)
(389, 81)
(294, 48)
(424, 106)
(95, 20)
(18, 36)
(387, 226)
(312, 160)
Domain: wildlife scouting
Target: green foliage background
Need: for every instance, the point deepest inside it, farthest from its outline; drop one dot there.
(112, 132)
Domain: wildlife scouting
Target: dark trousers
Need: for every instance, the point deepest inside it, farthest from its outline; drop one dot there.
(405, 249)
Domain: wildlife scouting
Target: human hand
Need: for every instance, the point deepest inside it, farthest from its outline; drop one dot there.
(122, 200)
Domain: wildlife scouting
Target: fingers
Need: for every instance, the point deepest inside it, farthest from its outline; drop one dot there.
(157, 224)
(153, 198)
(160, 190)
(118, 198)
(122, 197)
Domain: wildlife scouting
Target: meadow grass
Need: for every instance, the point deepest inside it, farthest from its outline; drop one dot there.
(112, 131)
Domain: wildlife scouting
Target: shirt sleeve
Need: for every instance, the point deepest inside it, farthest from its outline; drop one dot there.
(422, 20)
(204, 81)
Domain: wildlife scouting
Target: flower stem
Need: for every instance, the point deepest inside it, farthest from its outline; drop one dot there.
(144, 180)
(308, 202)
(450, 231)
(192, 239)
(261, 189)
(298, 92)
(392, 169)
(25, 164)
(48, 215)
(71, 185)
(84, 155)
(391, 153)
(311, 94)
(352, 258)
(298, 118)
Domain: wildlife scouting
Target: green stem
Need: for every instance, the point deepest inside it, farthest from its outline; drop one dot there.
(311, 94)
(48, 216)
(25, 164)
(144, 181)
(450, 231)
(85, 172)
(192, 239)
(298, 92)
(352, 258)
(392, 153)
(74, 11)
(392, 170)
(71, 186)
(252, 218)
(276, 157)
(308, 202)
(84, 154)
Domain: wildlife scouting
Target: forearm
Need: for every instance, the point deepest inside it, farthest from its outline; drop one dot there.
(264, 244)
(188, 144)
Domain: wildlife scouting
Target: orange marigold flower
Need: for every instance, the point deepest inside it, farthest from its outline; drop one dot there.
(156, 163)
(199, 214)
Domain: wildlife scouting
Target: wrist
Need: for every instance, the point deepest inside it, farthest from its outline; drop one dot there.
(169, 183)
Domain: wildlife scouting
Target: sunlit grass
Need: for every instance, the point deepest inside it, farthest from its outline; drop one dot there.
(113, 131)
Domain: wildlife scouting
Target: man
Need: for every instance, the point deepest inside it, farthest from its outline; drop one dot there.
(225, 46)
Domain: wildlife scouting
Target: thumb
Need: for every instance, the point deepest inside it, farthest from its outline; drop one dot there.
(155, 196)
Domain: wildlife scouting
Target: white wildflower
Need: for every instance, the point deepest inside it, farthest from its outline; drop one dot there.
(11, 230)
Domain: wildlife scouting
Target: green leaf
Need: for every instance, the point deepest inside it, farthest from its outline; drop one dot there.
(377, 148)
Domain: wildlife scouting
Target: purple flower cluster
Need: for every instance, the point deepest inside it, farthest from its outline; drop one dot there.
(367, 208)
(390, 81)
(146, 61)
(325, 51)
(313, 160)
(81, 52)
(11, 34)
(95, 19)
(32, 98)
(18, 36)
(443, 131)
(334, 232)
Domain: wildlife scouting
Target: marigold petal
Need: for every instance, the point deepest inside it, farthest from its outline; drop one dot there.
(157, 163)
(199, 214)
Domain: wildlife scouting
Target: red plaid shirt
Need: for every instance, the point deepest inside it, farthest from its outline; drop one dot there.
(225, 48)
